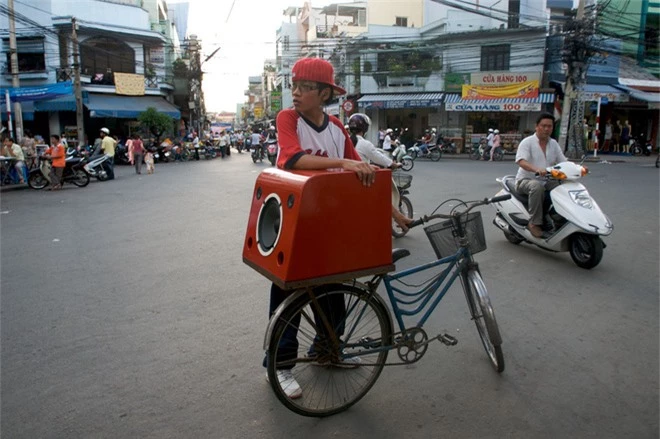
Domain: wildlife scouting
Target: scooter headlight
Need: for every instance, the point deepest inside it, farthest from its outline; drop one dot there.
(582, 199)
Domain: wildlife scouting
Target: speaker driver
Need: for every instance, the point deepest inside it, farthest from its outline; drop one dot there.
(269, 224)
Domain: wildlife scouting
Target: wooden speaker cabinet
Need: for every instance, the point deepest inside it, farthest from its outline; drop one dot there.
(313, 227)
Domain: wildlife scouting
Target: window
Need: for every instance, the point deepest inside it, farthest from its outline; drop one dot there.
(106, 55)
(401, 21)
(495, 57)
(285, 43)
(30, 54)
(514, 14)
(651, 37)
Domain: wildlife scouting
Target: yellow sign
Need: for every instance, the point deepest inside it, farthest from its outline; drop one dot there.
(258, 112)
(129, 84)
(529, 89)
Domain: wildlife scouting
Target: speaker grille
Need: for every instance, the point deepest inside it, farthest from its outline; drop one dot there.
(269, 224)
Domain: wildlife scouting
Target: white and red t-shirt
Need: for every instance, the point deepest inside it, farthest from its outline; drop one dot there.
(297, 136)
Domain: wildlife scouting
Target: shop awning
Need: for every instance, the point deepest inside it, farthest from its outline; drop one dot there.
(454, 102)
(128, 107)
(401, 100)
(62, 103)
(641, 95)
(27, 109)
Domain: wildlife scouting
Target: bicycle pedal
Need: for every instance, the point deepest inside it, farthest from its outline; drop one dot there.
(448, 339)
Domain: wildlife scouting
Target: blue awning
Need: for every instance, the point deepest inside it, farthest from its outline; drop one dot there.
(27, 109)
(401, 100)
(128, 107)
(62, 103)
(543, 98)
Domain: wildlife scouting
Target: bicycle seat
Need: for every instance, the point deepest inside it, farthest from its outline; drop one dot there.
(399, 253)
(511, 185)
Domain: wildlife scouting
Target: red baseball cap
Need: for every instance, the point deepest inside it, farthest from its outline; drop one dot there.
(316, 70)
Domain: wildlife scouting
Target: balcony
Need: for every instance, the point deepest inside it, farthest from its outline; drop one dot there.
(107, 79)
(339, 30)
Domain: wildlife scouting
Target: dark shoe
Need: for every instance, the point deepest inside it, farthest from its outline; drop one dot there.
(535, 230)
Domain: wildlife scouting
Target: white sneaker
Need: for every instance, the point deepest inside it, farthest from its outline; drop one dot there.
(288, 383)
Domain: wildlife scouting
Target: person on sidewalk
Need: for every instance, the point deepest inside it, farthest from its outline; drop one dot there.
(13, 150)
(496, 143)
(56, 153)
(535, 154)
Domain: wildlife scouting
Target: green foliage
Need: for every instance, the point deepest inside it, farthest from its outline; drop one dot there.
(180, 69)
(156, 123)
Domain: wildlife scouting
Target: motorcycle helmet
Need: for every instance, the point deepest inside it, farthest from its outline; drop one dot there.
(490, 130)
(496, 131)
(106, 131)
(360, 123)
(433, 130)
(389, 131)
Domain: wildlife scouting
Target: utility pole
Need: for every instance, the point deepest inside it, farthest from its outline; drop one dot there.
(576, 59)
(76, 85)
(15, 82)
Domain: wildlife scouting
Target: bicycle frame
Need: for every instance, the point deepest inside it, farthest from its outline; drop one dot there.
(456, 264)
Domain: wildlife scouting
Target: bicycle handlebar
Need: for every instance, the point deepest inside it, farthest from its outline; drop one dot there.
(427, 218)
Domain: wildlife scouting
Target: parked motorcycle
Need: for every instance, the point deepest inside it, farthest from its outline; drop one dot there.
(446, 146)
(640, 147)
(74, 172)
(573, 221)
(434, 153)
(121, 155)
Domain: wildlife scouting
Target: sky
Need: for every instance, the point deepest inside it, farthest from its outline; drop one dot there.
(246, 37)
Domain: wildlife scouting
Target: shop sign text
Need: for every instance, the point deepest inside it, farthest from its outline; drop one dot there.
(463, 106)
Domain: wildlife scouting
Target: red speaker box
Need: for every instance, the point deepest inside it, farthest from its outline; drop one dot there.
(313, 227)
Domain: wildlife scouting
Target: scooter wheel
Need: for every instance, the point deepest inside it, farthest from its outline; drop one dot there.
(586, 250)
(37, 181)
(407, 164)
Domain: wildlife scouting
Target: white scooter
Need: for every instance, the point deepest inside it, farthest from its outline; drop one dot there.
(400, 155)
(573, 221)
(96, 165)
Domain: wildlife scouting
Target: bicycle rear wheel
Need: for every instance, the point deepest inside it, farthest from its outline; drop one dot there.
(484, 317)
(333, 371)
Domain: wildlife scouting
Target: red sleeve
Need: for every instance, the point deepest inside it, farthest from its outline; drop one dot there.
(287, 138)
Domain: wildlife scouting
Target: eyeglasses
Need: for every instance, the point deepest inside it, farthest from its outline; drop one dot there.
(304, 87)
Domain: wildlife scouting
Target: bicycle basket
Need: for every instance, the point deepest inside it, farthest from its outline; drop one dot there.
(401, 180)
(444, 241)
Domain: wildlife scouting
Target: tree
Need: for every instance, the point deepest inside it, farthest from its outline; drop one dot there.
(156, 123)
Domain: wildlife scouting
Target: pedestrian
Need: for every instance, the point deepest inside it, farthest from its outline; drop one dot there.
(496, 143)
(387, 141)
(29, 145)
(311, 139)
(108, 146)
(56, 153)
(137, 152)
(223, 141)
(381, 137)
(149, 161)
(608, 135)
(64, 142)
(11, 149)
(626, 133)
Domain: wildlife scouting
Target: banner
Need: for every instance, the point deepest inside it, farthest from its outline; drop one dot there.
(529, 89)
(49, 91)
(495, 106)
(129, 84)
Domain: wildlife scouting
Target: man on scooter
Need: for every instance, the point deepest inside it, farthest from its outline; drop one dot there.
(535, 154)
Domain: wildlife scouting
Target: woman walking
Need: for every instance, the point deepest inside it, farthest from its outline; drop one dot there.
(137, 152)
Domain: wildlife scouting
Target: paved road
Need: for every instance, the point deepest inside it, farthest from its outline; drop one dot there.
(126, 311)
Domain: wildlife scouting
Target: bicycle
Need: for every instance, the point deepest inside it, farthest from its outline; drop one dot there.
(347, 348)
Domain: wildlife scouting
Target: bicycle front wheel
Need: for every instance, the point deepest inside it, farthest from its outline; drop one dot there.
(484, 317)
(340, 350)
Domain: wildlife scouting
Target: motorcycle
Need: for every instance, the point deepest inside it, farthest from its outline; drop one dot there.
(272, 148)
(121, 155)
(97, 164)
(257, 153)
(573, 221)
(481, 151)
(434, 153)
(400, 155)
(640, 147)
(447, 147)
(74, 172)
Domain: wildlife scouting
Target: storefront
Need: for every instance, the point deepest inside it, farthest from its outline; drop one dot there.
(412, 111)
(513, 117)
